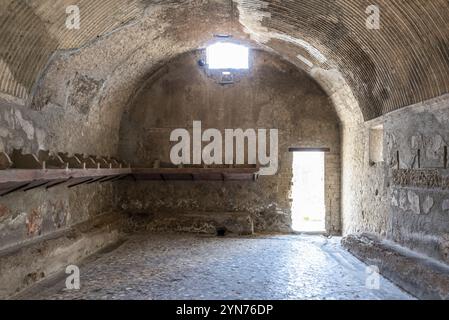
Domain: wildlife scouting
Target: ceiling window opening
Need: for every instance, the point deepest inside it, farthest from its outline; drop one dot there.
(225, 55)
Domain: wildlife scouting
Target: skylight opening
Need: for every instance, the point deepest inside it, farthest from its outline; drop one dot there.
(225, 55)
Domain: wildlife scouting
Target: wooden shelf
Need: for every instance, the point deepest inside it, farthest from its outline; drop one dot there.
(13, 180)
(24, 172)
(198, 174)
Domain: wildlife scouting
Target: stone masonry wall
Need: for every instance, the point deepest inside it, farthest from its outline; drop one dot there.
(273, 94)
(29, 216)
(405, 198)
(418, 136)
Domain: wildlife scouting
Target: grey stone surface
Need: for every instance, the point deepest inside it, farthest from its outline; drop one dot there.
(446, 205)
(193, 267)
(413, 199)
(428, 204)
(402, 210)
(420, 221)
(211, 223)
(424, 277)
(26, 264)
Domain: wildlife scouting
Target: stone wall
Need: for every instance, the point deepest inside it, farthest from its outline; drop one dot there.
(30, 216)
(37, 237)
(273, 94)
(27, 216)
(404, 198)
(365, 184)
(43, 231)
(418, 137)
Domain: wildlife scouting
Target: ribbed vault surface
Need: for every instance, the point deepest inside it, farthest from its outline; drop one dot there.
(404, 62)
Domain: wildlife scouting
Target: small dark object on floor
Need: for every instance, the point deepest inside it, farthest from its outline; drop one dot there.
(221, 232)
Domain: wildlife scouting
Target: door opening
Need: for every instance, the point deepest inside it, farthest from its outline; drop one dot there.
(308, 207)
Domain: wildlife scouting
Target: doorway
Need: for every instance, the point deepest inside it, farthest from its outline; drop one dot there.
(308, 207)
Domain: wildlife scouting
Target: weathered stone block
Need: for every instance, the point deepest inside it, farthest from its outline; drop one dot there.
(446, 205)
(84, 91)
(413, 198)
(428, 205)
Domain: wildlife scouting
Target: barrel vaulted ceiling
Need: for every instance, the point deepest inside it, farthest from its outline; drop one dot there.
(404, 62)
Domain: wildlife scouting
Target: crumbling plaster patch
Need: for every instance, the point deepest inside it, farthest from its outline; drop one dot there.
(423, 191)
(27, 217)
(413, 199)
(428, 204)
(251, 18)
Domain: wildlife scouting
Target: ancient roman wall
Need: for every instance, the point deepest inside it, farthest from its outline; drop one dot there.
(271, 95)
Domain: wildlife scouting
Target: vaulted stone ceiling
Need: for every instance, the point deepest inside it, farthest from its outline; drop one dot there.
(31, 31)
(405, 62)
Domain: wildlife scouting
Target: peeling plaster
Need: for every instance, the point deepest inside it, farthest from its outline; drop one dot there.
(251, 18)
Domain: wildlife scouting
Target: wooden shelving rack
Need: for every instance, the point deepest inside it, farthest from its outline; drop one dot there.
(27, 172)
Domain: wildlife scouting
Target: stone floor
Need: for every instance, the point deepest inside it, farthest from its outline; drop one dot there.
(197, 267)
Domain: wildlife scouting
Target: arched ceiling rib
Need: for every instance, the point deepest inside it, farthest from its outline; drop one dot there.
(405, 62)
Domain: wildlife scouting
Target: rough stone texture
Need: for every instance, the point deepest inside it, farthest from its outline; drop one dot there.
(325, 34)
(273, 95)
(333, 35)
(365, 197)
(84, 91)
(419, 221)
(424, 277)
(418, 178)
(428, 205)
(24, 266)
(27, 217)
(187, 267)
(445, 205)
(397, 204)
(120, 61)
(125, 58)
(212, 223)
